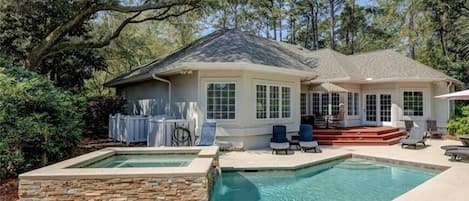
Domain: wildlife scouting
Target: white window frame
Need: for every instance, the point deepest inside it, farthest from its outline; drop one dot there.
(280, 97)
(423, 102)
(355, 104)
(235, 99)
(329, 102)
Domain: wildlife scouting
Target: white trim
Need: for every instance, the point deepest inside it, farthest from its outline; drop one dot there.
(235, 98)
(280, 96)
(308, 75)
(402, 90)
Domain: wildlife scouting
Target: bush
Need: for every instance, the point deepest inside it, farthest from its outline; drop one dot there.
(459, 125)
(97, 114)
(39, 123)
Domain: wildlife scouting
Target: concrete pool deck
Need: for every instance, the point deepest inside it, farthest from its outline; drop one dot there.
(448, 185)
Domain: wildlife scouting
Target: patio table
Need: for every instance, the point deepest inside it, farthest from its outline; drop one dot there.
(464, 139)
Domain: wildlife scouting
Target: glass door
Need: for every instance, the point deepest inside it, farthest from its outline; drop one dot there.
(370, 108)
(385, 109)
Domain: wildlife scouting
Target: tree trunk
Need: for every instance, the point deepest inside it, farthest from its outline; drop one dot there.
(292, 40)
(280, 27)
(314, 41)
(332, 23)
(411, 37)
(442, 41)
(316, 20)
(307, 31)
(352, 32)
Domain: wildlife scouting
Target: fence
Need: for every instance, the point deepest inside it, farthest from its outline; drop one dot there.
(156, 131)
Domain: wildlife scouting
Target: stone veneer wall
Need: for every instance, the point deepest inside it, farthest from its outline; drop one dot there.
(138, 188)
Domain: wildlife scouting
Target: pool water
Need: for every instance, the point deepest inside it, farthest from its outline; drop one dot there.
(342, 180)
(142, 160)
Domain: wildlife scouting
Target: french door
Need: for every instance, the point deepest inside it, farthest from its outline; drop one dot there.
(377, 109)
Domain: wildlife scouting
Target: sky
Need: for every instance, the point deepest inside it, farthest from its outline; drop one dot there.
(209, 30)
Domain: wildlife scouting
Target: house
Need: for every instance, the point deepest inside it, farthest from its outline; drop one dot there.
(248, 83)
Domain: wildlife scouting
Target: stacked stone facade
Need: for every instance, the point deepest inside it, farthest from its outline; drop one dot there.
(138, 188)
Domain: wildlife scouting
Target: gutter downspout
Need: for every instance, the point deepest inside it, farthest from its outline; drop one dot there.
(169, 88)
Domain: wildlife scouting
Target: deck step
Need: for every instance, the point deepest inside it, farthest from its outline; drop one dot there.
(359, 136)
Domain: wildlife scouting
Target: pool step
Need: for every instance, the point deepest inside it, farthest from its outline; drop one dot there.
(358, 164)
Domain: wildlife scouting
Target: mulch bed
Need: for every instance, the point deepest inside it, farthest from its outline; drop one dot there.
(9, 189)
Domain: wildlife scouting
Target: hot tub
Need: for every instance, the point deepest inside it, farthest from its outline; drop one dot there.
(157, 173)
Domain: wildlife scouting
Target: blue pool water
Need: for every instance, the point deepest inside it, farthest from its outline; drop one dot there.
(341, 180)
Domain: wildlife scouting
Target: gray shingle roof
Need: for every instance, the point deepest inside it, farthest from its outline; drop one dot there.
(231, 45)
(235, 46)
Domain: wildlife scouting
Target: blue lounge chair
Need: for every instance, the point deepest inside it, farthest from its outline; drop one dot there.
(279, 141)
(306, 140)
(207, 136)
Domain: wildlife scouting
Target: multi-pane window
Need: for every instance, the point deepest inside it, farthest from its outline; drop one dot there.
(353, 103)
(335, 101)
(316, 103)
(324, 103)
(413, 103)
(385, 107)
(286, 102)
(273, 102)
(303, 104)
(356, 103)
(221, 98)
(261, 107)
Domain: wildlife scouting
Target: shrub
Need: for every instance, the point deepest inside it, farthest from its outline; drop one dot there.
(39, 123)
(459, 125)
(97, 114)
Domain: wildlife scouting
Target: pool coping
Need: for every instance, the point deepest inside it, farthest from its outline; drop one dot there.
(412, 164)
(199, 166)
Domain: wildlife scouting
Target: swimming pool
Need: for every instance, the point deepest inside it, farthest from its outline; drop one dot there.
(349, 179)
(141, 160)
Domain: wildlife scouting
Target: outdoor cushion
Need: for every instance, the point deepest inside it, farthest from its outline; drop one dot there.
(410, 141)
(275, 145)
(306, 133)
(309, 144)
(279, 134)
(207, 136)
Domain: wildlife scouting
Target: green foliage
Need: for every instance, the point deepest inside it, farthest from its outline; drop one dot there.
(24, 23)
(97, 114)
(39, 123)
(459, 125)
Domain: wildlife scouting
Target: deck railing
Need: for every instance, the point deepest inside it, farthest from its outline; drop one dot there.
(155, 131)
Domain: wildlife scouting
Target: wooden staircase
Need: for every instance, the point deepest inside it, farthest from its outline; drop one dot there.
(359, 136)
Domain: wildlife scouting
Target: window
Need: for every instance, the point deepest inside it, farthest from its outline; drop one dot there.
(221, 100)
(261, 107)
(385, 107)
(335, 103)
(273, 102)
(303, 104)
(413, 103)
(316, 103)
(286, 102)
(353, 103)
(356, 103)
(325, 103)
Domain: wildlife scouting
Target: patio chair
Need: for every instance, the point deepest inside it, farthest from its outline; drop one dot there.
(279, 141)
(432, 129)
(415, 137)
(207, 135)
(409, 124)
(453, 147)
(306, 140)
(458, 154)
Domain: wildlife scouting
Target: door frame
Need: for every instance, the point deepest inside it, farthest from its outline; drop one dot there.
(378, 121)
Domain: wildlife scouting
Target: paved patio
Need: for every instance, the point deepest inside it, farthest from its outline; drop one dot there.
(449, 185)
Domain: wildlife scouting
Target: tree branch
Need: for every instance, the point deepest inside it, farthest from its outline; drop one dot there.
(102, 43)
(52, 44)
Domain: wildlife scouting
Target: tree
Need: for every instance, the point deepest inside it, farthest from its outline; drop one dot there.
(62, 38)
(23, 23)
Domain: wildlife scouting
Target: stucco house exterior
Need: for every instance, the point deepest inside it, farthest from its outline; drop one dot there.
(248, 83)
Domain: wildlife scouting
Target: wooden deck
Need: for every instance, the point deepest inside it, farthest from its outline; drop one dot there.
(359, 136)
